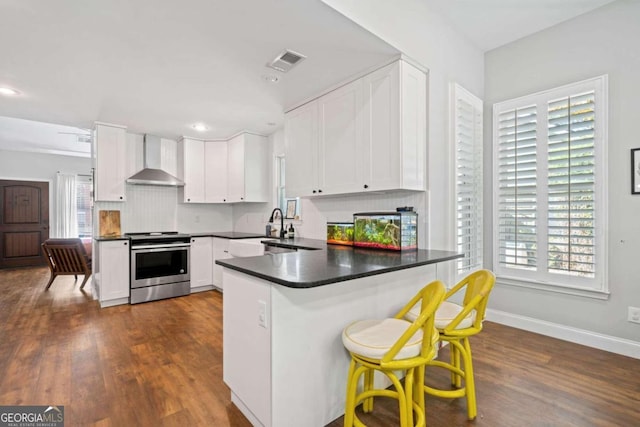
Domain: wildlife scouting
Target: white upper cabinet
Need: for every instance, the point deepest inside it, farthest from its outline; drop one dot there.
(301, 148)
(395, 128)
(110, 156)
(413, 128)
(368, 135)
(248, 177)
(340, 140)
(191, 170)
(224, 171)
(215, 171)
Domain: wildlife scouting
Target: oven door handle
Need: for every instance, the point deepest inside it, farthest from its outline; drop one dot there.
(160, 248)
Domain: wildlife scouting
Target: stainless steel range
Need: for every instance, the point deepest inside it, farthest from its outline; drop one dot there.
(159, 266)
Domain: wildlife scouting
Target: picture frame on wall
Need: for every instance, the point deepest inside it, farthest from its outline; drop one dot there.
(635, 171)
(291, 209)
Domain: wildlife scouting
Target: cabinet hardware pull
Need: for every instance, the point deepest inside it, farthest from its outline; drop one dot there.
(314, 191)
(319, 191)
(366, 186)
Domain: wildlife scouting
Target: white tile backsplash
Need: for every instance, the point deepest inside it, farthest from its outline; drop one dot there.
(156, 208)
(317, 212)
(193, 218)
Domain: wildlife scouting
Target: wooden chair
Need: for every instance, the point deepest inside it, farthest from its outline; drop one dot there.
(393, 346)
(66, 257)
(456, 323)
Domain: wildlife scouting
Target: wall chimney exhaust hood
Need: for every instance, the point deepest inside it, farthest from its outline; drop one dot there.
(152, 174)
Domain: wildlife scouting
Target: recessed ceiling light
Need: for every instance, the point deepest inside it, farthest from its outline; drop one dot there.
(8, 91)
(270, 78)
(271, 123)
(200, 127)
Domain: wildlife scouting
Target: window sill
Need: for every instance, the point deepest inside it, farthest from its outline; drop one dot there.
(557, 288)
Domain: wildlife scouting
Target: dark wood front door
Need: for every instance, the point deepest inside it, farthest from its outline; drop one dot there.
(24, 222)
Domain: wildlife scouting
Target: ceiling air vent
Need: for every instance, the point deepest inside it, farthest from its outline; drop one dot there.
(286, 60)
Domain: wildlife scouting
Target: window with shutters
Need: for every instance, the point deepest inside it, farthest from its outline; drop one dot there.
(549, 181)
(84, 187)
(467, 135)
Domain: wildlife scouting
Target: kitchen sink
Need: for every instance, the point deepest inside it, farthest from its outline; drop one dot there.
(270, 250)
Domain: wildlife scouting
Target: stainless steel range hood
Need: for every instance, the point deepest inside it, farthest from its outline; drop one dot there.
(152, 174)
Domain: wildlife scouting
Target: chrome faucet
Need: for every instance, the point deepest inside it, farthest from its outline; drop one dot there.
(281, 221)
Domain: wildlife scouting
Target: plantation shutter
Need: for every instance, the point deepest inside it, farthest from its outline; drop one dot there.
(550, 209)
(571, 184)
(517, 187)
(468, 144)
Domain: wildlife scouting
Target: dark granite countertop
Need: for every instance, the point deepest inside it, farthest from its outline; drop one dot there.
(107, 238)
(228, 235)
(296, 243)
(311, 268)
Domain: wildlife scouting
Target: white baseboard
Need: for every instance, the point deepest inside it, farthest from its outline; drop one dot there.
(112, 302)
(202, 289)
(617, 345)
(245, 410)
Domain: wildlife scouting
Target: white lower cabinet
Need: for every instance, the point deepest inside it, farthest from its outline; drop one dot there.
(112, 272)
(220, 251)
(201, 263)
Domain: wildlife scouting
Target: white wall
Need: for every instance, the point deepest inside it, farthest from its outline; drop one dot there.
(604, 41)
(22, 165)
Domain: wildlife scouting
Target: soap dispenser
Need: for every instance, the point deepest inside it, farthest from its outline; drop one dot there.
(291, 233)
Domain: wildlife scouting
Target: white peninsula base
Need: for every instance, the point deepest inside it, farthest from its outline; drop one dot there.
(283, 355)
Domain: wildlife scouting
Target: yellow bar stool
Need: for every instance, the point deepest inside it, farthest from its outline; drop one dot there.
(393, 346)
(456, 323)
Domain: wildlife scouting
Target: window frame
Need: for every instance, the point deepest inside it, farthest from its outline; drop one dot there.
(541, 278)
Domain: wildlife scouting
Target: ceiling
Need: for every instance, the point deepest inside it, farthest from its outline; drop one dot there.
(492, 23)
(159, 66)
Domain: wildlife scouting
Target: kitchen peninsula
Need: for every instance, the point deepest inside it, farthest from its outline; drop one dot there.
(283, 315)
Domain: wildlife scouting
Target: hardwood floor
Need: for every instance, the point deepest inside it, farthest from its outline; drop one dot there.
(161, 364)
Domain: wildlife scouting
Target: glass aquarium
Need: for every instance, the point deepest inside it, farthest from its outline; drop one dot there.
(386, 230)
(340, 233)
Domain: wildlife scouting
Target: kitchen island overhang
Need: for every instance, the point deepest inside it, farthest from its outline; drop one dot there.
(311, 268)
(283, 315)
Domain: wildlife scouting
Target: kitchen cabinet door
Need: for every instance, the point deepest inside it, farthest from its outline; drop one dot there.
(235, 163)
(113, 272)
(301, 151)
(110, 154)
(413, 127)
(382, 129)
(248, 178)
(220, 251)
(395, 128)
(341, 151)
(191, 170)
(215, 171)
(201, 262)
